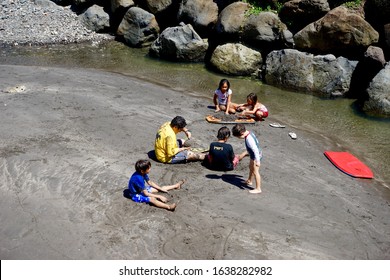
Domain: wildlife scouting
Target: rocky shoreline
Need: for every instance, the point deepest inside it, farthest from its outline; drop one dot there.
(42, 22)
(330, 48)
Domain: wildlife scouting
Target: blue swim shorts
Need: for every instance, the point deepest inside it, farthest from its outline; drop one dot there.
(140, 198)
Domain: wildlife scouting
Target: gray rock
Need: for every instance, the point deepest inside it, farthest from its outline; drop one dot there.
(263, 30)
(387, 34)
(236, 59)
(379, 93)
(121, 4)
(265, 27)
(179, 43)
(42, 22)
(156, 6)
(139, 28)
(96, 19)
(231, 19)
(46, 4)
(366, 70)
(324, 75)
(303, 12)
(339, 31)
(201, 14)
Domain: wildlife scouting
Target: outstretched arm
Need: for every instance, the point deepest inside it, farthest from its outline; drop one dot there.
(253, 111)
(228, 103)
(187, 132)
(215, 100)
(157, 187)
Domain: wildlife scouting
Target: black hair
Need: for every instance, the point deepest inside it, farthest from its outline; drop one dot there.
(142, 165)
(238, 129)
(253, 97)
(223, 133)
(179, 122)
(224, 81)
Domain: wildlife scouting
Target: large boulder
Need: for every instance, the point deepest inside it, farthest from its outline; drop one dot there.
(201, 14)
(366, 70)
(387, 34)
(324, 75)
(179, 43)
(300, 13)
(118, 11)
(96, 19)
(340, 32)
(236, 59)
(121, 5)
(231, 20)
(155, 6)
(379, 93)
(263, 30)
(139, 28)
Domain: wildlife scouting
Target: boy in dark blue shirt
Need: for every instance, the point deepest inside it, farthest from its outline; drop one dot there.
(221, 155)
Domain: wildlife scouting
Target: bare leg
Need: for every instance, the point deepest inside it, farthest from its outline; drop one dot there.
(256, 173)
(222, 107)
(175, 186)
(232, 108)
(191, 156)
(250, 176)
(161, 204)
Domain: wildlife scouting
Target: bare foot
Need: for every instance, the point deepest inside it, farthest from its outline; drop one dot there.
(180, 183)
(172, 207)
(248, 183)
(255, 191)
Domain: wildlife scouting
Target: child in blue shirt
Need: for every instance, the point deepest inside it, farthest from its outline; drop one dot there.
(255, 154)
(138, 192)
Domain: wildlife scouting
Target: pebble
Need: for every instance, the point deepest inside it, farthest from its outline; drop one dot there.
(42, 22)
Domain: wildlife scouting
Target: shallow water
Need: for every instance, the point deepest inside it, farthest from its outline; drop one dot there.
(336, 120)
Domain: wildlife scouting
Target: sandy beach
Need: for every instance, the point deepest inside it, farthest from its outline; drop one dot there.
(69, 141)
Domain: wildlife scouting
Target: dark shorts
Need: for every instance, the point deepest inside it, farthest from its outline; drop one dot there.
(180, 157)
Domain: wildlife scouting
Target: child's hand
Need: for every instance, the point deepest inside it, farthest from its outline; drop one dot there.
(217, 108)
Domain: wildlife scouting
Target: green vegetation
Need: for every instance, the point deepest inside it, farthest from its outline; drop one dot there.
(256, 7)
(353, 4)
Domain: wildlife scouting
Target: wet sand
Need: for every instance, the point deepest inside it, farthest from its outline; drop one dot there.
(68, 144)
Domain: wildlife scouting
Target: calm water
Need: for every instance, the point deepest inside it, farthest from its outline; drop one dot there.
(336, 120)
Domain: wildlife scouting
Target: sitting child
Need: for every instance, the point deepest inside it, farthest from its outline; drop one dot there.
(222, 98)
(138, 192)
(253, 107)
(221, 156)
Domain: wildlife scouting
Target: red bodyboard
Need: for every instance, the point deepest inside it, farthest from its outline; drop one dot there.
(349, 164)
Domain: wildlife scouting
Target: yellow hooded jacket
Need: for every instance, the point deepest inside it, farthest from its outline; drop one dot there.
(165, 145)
